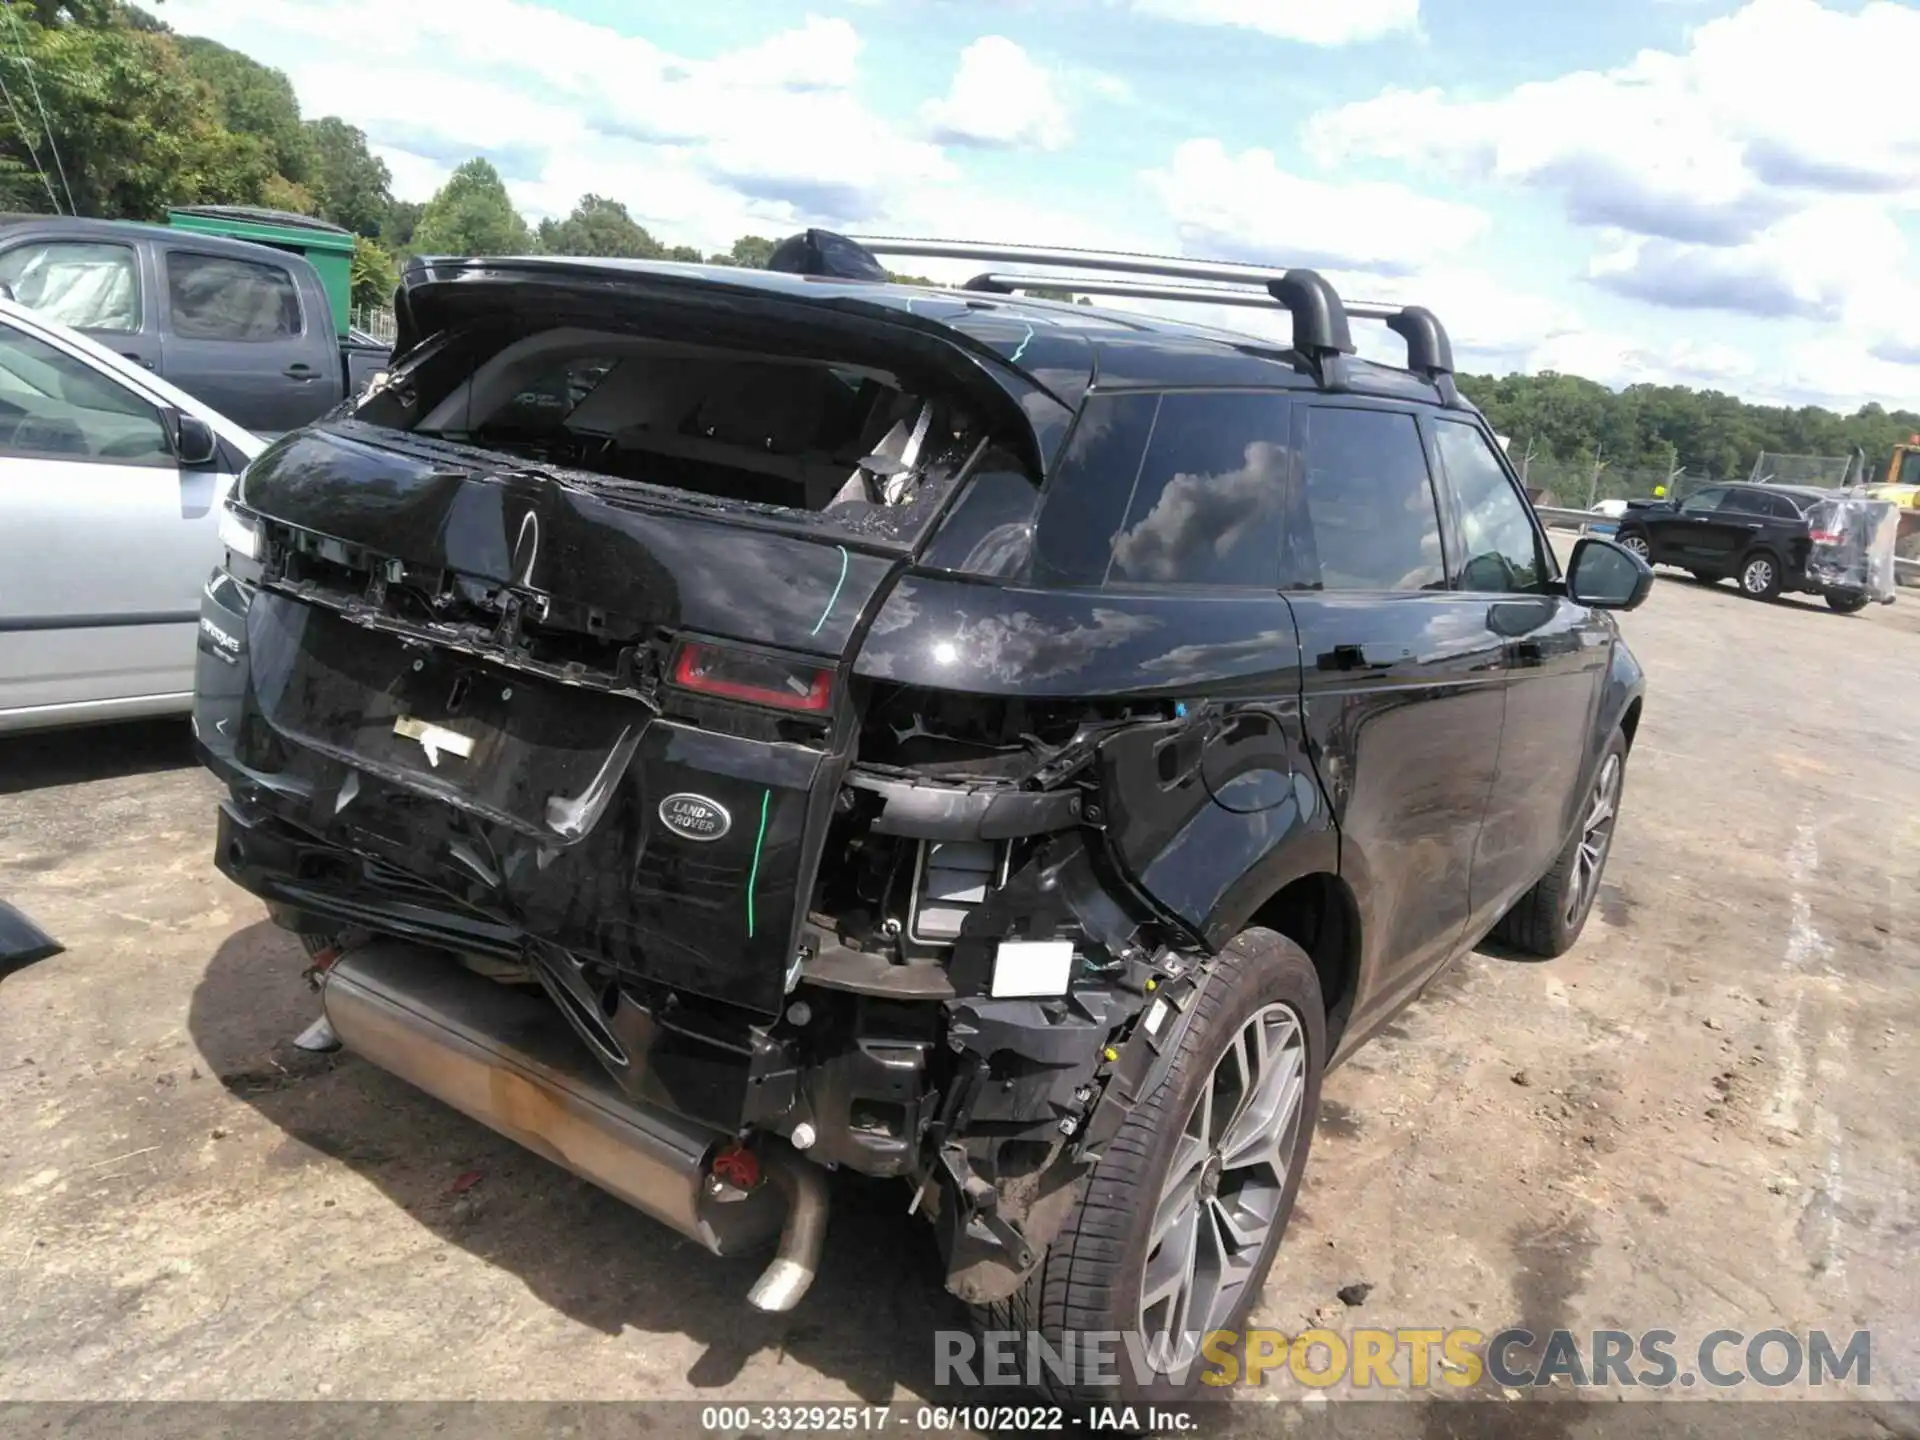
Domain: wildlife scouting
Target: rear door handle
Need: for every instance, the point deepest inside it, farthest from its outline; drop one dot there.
(138, 359)
(300, 370)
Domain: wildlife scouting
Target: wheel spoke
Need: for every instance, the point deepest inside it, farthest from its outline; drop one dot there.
(1256, 1141)
(1169, 1278)
(1220, 1198)
(1182, 1189)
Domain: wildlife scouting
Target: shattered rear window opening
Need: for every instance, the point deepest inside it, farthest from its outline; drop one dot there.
(840, 446)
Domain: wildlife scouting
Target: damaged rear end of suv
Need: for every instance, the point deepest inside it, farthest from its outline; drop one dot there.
(719, 727)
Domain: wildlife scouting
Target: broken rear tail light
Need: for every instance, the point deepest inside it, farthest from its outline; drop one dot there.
(753, 677)
(1826, 537)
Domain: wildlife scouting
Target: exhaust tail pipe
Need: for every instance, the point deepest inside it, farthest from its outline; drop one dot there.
(504, 1057)
(784, 1283)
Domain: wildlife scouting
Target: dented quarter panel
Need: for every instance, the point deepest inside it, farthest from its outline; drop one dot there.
(405, 497)
(949, 634)
(1206, 814)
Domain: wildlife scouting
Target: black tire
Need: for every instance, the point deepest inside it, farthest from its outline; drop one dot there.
(1636, 540)
(1091, 1276)
(1759, 575)
(1852, 602)
(1545, 921)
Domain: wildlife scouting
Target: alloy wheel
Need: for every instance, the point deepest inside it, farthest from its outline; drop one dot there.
(1221, 1200)
(1638, 545)
(1757, 578)
(1596, 835)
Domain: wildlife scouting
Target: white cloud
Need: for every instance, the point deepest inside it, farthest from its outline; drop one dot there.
(1825, 263)
(1245, 207)
(1312, 22)
(695, 147)
(1765, 110)
(1000, 98)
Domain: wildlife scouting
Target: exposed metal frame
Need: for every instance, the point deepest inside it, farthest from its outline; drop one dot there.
(1320, 333)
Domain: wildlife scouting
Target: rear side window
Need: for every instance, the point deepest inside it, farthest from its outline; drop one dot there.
(1086, 500)
(1371, 502)
(1182, 489)
(1501, 550)
(1207, 506)
(215, 297)
(83, 284)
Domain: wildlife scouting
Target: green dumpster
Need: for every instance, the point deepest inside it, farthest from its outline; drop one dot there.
(328, 248)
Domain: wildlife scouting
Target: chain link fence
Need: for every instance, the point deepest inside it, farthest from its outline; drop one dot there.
(1581, 485)
(1828, 472)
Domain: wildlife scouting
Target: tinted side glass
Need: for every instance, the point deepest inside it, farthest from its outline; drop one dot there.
(1207, 506)
(1370, 500)
(1086, 499)
(56, 407)
(1500, 545)
(1703, 502)
(1748, 502)
(216, 298)
(88, 286)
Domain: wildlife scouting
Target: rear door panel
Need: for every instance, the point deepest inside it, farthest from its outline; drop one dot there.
(225, 340)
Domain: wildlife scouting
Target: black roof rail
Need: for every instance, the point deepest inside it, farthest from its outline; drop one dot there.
(1320, 329)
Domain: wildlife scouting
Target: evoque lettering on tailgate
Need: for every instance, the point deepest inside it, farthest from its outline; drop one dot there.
(695, 817)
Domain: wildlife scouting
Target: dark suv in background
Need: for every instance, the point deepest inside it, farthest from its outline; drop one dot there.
(1755, 534)
(717, 726)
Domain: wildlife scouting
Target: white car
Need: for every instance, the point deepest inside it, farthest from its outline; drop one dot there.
(112, 488)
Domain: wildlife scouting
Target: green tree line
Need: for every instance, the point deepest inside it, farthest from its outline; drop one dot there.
(107, 112)
(1670, 429)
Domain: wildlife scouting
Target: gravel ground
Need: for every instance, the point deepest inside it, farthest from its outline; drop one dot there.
(1700, 1119)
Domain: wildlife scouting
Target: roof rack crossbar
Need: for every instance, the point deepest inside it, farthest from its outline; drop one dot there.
(1319, 321)
(1319, 315)
(996, 282)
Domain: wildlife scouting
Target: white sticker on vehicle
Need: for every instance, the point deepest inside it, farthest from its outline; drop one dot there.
(434, 739)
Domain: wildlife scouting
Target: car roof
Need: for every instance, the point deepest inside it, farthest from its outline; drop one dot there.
(1805, 492)
(81, 227)
(1067, 348)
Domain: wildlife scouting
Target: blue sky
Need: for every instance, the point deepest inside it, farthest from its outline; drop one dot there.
(1701, 191)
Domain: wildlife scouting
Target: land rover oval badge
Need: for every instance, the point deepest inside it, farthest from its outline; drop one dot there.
(695, 817)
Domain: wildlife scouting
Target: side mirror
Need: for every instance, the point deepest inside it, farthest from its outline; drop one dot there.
(1607, 576)
(194, 442)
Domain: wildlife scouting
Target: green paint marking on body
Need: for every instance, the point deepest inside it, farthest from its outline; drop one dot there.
(753, 875)
(834, 598)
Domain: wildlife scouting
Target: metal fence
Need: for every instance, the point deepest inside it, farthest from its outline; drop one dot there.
(1582, 484)
(374, 320)
(1828, 472)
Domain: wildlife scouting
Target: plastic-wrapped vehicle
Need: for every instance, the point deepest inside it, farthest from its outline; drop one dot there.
(716, 726)
(1851, 556)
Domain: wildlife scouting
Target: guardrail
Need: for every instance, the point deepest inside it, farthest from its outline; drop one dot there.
(1561, 518)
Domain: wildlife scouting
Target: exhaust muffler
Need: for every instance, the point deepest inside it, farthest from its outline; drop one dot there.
(504, 1057)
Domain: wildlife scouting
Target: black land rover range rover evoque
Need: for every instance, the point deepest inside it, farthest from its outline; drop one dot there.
(716, 726)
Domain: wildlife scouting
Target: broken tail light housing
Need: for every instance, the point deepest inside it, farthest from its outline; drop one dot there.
(1826, 537)
(753, 677)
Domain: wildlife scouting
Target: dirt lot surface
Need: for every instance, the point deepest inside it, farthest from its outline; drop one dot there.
(1703, 1118)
